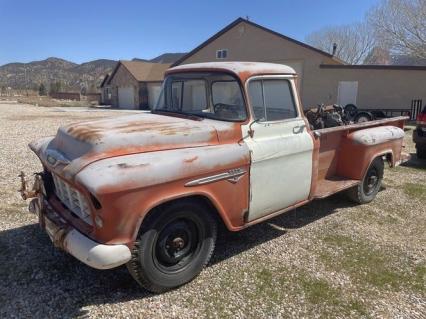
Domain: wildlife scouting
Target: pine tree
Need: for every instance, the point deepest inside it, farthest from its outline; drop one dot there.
(41, 90)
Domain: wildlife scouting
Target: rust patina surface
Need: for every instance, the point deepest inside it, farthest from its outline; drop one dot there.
(127, 166)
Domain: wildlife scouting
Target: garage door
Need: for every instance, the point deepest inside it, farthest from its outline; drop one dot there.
(347, 92)
(154, 90)
(126, 98)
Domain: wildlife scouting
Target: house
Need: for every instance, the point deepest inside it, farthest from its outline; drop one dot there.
(322, 78)
(133, 84)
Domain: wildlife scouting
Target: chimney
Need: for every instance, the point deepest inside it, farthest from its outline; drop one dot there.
(334, 48)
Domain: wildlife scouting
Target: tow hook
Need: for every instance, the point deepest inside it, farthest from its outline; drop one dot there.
(36, 189)
(36, 193)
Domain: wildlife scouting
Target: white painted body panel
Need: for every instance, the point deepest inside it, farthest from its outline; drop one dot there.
(281, 164)
(377, 135)
(147, 169)
(126, 135)
(281, 168)
(237, 67)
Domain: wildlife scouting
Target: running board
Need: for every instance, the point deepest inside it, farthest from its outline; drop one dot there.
(327, 187)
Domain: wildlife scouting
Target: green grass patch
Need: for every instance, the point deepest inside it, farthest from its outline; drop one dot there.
(266, 289)
(365, 265)
(416, 191)
(318, 290)
(419, 278)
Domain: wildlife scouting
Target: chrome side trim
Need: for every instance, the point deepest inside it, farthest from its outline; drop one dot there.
(232, 176)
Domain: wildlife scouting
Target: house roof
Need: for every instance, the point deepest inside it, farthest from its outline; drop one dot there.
(238, 21)
(142, 71)
(104, 80)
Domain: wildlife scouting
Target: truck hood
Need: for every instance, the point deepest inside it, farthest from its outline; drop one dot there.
(77, 145)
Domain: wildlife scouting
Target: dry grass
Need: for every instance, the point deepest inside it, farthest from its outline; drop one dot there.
(327, 259)
(46, 101)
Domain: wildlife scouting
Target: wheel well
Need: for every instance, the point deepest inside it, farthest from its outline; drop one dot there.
(389, 159)
(203, 200)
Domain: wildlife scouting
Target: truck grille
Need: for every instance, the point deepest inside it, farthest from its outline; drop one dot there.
(72, 199)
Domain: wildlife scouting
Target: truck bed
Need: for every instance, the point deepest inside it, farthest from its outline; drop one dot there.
(395, 121)
(339, 162)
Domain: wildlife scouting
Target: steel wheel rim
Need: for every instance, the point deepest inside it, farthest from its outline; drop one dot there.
(176, 245)
(371, 181)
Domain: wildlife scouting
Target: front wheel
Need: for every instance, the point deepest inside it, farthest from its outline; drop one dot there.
(367, 190)
(173, 246)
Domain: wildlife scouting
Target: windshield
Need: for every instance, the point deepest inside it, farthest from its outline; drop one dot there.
(210, 95)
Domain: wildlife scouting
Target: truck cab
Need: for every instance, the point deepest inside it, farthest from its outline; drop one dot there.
(226, 143)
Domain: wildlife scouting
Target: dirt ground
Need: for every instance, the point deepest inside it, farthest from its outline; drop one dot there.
(330, 258)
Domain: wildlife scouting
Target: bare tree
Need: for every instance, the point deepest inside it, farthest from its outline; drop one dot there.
(378, 55)
(401, 24)
(354, 42)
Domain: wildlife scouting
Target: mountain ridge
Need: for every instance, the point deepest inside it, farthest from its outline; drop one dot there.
(71, 76)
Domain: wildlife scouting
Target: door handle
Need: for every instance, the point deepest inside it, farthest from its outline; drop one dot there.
(298, 129)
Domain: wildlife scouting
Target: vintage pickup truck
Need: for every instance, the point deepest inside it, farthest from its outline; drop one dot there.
(226, 143)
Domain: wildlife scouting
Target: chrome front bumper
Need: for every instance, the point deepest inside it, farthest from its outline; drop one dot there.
(64, 236)
(86, 250)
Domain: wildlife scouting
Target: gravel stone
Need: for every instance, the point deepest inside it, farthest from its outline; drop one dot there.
(292, 266)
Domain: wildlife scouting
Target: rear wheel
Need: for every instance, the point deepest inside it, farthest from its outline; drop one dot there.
(367, 190)
(173, 246)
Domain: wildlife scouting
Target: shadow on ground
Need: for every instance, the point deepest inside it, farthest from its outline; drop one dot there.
(40, 281)
(415, 162)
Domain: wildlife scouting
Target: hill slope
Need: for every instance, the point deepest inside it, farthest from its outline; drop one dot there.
(72, 76)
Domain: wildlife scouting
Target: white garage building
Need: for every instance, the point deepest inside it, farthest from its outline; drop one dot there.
(133, 84)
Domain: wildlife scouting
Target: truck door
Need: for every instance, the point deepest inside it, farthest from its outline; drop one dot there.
(281, 147)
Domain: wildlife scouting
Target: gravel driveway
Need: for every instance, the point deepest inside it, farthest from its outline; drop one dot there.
(327, 259)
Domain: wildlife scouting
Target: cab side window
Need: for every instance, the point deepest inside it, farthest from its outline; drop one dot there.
(272, 99)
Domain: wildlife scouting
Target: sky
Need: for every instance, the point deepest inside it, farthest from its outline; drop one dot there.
(85, 30)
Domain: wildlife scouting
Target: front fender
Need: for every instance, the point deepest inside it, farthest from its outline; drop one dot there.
(128, 187)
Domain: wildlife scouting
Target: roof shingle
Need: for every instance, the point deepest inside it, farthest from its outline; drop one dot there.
(143, 71)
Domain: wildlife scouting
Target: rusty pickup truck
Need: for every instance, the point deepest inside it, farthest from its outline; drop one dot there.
(226, 143)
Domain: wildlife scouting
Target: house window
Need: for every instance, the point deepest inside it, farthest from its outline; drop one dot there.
(222, 54)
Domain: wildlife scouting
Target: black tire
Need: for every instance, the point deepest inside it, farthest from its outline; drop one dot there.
(173, 246)
(367, 190)
(421, 153)
(351, 111)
